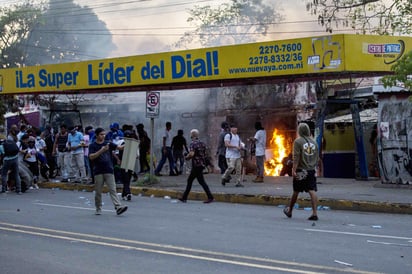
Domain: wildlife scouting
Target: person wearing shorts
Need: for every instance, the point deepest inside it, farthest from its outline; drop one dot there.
(305, 160)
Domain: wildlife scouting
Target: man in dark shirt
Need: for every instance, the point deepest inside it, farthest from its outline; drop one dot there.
(179, 146)
(100, 153)
(197, 154)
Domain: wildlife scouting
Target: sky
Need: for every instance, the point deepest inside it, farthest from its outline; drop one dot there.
(150, 26)
(165, 21)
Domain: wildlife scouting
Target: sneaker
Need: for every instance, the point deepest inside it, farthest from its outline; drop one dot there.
(208, 201)
(223, 182)
(239, 185)
(182, 200)
(124, 198)
(313, 218)
(98, 212)
(36, 186)
(19, 193)
(121, 209)
(129, 197)
(258, 180)
(287, 212)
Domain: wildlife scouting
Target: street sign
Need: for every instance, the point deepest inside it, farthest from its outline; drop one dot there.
(152, 104)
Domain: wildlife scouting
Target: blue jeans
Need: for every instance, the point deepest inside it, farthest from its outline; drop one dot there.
(169, 156)
(13, 166)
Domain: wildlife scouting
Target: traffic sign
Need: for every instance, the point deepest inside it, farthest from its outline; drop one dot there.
(152, 104)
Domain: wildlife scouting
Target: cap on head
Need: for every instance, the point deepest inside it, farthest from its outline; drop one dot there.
(114, 125)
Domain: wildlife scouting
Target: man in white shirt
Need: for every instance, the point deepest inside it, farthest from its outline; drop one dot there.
(260, 143)
(233, 156)
(166, 152)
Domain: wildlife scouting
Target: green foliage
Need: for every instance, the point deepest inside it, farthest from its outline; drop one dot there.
(384, 17)
(234, 22)
(402, 73)
(35, 33)
(16, 22)
(67, 32)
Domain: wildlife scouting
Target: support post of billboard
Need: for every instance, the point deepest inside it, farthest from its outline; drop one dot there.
(152, 111)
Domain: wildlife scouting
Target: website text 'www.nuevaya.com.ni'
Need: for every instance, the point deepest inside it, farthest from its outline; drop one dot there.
(266, 68)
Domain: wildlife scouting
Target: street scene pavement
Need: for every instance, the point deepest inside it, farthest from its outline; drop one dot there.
(333, 193)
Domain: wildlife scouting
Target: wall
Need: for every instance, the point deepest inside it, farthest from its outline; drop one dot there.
(394, 142)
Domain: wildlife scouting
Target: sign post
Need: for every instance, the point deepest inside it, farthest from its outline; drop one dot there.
(152, 111)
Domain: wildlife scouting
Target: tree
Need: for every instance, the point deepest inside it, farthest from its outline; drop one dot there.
(235, 22)
(67, 32)
(364, 16)
(16, 22)
(402, 73)
(62, 31)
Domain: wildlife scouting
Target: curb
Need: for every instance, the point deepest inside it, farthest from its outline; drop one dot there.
(279, 201)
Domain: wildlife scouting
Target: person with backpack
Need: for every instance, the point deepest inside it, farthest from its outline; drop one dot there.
(9, 152)
(221, 147)
(197, 153)
(233, 156)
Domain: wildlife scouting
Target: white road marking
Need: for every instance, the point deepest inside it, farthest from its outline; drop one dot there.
(72, 207)
(359, 234)
(205, 255)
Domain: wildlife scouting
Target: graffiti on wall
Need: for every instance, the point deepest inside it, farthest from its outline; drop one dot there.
(394, 144)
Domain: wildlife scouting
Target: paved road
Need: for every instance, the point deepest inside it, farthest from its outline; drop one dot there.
(337, 194)
(55, 231)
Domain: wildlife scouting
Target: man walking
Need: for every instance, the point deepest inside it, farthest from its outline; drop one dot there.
(166, 152)
(221, 147)
(198, 155)
(260, 146)
(75, 146)
(305, 160)
(100, 153)
(233, 157)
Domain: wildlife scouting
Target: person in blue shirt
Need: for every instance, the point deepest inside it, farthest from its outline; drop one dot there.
(115, 133)
(75, 144)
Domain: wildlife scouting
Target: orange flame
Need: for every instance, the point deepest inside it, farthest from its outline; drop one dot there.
(278, 145)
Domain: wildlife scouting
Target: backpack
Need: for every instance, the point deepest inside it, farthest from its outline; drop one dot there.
(10, 148)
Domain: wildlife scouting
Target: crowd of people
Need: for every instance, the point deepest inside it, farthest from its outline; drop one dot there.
(95, 156)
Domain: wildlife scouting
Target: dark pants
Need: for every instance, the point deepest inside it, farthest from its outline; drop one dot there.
(196, 173)
(13, 166)
(126, 177)
(144, 164)
(51, 162)
(222, 163)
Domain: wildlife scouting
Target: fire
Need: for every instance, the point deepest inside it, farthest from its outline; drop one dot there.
(279, 147)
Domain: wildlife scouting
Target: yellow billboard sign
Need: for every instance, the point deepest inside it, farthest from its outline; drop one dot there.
(312, 56)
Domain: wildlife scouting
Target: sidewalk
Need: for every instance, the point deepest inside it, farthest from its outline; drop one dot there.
(337, 194)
